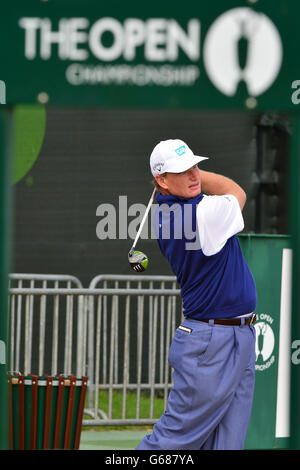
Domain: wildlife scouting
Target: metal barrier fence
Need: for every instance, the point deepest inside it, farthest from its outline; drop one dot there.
(130, 331)
(117, 334)
(28, 323)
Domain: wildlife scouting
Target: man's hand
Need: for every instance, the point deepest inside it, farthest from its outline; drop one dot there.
(217, 185)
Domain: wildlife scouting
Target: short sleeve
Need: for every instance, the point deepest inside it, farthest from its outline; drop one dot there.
(218, 219)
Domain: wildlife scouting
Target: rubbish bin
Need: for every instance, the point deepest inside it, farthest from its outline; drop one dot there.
(46, 412)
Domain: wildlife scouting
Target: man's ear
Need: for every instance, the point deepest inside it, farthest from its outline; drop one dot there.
(161, 181)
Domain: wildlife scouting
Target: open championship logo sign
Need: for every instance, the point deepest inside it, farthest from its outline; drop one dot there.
(240, 46)
(265, 342)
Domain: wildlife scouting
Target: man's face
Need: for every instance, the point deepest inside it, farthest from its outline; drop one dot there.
(186, 184)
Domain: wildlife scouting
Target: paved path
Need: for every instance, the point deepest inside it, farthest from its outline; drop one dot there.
(111, 440)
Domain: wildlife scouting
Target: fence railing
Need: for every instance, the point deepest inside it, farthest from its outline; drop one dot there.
(117, 332)
(28, 322)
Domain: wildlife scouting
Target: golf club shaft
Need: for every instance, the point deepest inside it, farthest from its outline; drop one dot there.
(143, 220)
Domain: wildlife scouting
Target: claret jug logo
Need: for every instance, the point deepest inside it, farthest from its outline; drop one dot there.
(265, 342)
(242, 46)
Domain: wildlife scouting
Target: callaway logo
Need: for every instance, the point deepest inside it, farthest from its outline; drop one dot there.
(181, 150)
(158, 167)
(242, 46)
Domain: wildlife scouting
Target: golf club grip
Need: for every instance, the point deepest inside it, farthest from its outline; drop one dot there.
(144, 219)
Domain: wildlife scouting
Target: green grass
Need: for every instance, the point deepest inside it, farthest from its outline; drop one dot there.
(131, 399)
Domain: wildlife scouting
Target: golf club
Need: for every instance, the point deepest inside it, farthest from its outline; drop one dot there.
(138, 260)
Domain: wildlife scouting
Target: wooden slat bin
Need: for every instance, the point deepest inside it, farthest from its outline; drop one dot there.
(46, 412)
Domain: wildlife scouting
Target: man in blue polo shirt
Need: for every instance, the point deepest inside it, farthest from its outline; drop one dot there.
(213, 350)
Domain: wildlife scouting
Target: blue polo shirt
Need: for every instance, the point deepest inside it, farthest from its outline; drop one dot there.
(198, 238)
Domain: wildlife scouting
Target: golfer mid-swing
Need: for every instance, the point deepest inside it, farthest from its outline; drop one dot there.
(213, 350)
